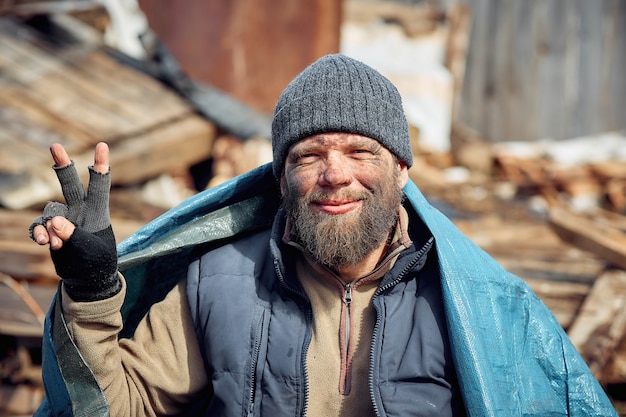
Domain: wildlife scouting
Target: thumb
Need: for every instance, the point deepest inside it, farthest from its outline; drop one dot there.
(59, 229)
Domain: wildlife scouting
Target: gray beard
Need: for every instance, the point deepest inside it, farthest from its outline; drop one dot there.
(345, 239)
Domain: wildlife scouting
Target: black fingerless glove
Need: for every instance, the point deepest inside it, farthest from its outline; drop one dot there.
(87, 262)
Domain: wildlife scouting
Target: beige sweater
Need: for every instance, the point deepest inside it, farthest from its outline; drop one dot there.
(338, 356)
(150, 374)
(160, 369)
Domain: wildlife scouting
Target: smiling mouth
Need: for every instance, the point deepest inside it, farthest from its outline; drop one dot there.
(336, 207)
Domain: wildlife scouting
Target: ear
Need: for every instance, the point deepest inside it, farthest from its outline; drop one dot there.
(403, 176)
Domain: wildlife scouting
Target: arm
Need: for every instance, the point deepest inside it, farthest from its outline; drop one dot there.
(158, 371)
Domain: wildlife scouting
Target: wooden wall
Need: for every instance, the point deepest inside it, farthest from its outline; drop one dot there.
(541, 69)
(249, 49)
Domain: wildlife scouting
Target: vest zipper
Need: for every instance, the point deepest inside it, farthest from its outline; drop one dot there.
(253, 365)
(347, 300)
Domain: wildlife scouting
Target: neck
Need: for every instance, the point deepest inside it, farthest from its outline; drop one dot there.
(349, 273)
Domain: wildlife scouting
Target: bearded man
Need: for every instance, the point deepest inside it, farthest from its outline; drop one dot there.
(358, 298)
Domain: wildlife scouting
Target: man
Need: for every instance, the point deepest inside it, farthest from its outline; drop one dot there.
(358, 299)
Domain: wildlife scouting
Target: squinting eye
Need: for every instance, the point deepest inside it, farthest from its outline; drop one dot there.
(306, 158)
(362, 153)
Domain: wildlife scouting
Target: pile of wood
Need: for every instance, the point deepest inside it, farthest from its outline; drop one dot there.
(588, 183)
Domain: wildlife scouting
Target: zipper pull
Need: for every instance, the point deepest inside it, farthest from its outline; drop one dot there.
(347, 294)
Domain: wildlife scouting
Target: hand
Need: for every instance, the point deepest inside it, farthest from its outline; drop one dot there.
(82, 243)
(59, 229)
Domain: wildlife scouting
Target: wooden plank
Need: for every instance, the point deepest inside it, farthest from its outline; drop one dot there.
(83, 87)
(170, 148)
(617, 81)
(52, 87)
(21, 60)
(604, 241)
(29, 122)
(459, 16)
(20, 400)
(133, 87)
(26, 260)
(472, 99)
(16, 154)
(23, 306)
(531, 250)
(498, 108)
(608, 218)
(615, 369)
(551, 56)
(601, 323)
(545, 70)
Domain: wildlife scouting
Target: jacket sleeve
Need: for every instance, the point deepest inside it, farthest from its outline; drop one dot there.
(157, 372)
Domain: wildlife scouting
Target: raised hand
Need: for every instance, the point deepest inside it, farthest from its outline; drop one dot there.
(82, 243)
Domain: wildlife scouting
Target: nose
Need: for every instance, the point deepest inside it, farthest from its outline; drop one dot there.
(335, 172)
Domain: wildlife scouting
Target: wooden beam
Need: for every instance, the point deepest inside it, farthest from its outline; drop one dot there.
(607, 242)
(600, 325)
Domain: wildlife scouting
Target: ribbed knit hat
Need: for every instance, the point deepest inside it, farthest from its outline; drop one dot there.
(340, 94)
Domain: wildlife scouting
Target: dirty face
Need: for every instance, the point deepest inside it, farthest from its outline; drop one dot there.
(342, 192)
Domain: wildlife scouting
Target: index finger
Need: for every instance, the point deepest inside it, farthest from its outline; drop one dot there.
(59, 155)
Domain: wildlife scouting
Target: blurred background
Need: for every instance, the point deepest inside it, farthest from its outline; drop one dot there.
(517, 110)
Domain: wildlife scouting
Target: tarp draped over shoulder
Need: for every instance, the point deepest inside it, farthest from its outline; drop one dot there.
(511, 355)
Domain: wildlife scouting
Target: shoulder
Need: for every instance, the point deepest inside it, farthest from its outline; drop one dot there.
(235, 256)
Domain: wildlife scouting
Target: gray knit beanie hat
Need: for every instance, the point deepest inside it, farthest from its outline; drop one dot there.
(340, 94)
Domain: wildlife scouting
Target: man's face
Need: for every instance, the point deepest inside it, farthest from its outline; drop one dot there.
(342, 193)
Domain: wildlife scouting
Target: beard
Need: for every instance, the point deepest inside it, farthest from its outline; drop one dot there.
(345, 239)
